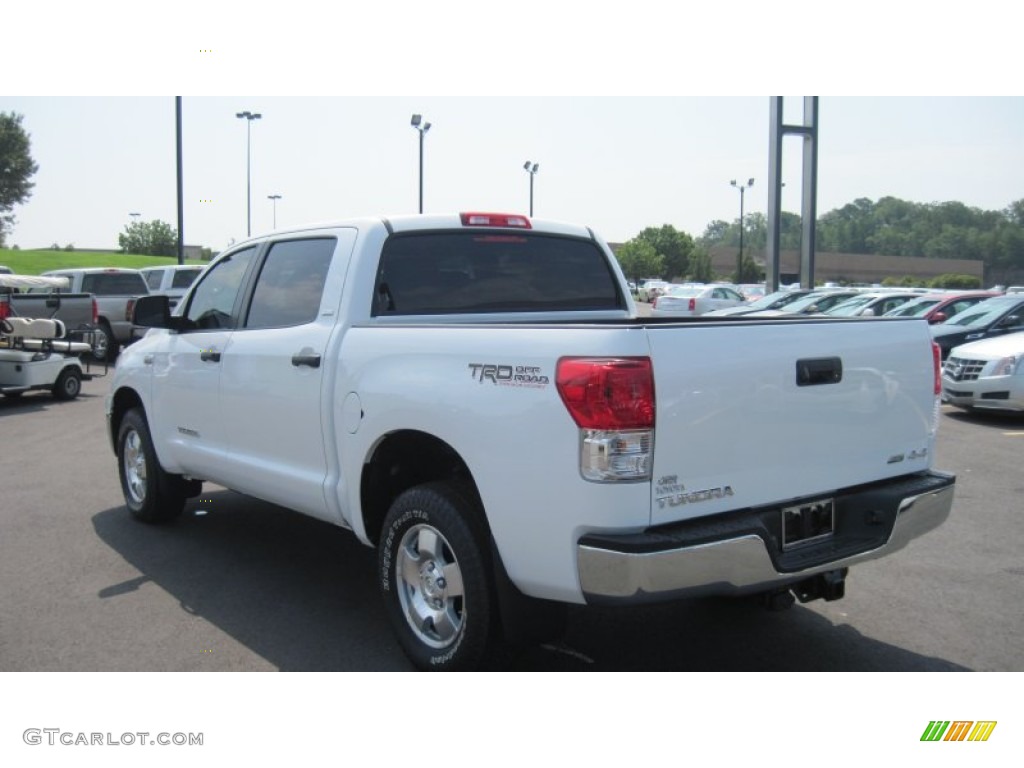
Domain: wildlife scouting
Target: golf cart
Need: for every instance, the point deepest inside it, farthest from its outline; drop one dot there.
(40, 353)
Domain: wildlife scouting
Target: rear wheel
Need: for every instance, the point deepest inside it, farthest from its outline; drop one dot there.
(151, 494)
(104, 346)
(435, 578)
(68, 384)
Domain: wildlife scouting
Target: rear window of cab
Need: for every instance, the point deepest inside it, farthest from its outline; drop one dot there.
(492, 271)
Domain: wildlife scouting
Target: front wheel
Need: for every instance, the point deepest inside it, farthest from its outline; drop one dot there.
(151, 494)
(435, 578)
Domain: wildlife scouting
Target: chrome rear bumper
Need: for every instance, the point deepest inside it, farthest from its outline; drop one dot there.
(659, 565)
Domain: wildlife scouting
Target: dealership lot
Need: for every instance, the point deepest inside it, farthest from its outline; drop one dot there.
(238, 584)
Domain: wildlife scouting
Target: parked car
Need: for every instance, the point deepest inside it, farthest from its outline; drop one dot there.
(939, 307)
(871, 304)
(6, 270)
(172, 280)
(649, 289)
(997, 316)
(775, 300)
(986, 374)
(752, 291)
(694, 300)
(811, 303)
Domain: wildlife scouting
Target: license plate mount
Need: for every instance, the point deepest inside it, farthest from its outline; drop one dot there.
(808, 523)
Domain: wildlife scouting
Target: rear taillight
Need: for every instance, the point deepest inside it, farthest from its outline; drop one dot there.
(5, 309)
(937, 368)
(95, 312)
(612, 402)
(693, 305)
(608, 393)
(129, 307)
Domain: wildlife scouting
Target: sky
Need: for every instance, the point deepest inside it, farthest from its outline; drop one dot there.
(615, 163)
(627, 132)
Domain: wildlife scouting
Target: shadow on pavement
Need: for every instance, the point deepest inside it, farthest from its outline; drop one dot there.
(302, 595)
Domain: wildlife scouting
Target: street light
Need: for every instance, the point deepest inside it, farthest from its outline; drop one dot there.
(275, 198)
(739, 257)
(135, 216)
(422, 129)
(531, 170)
(248, 117)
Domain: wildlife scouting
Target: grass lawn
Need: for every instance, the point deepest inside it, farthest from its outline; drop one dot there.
(37, 262)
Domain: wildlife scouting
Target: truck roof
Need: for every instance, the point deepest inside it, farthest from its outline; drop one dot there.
(419, 222)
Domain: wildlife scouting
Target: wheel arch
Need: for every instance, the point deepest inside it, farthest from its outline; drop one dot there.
(401, 460)
(123, 401)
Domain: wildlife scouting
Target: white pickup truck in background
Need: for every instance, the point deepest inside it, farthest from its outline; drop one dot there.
(476, 397)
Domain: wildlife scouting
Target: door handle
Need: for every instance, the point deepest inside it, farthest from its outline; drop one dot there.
(814, 372)
(210, 356)
(312, 360)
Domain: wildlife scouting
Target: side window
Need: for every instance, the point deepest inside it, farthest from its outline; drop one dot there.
(213, 301)
(153, 279)
(291, 283)
(183, 278)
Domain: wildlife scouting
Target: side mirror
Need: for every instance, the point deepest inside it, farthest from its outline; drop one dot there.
(938, 317)
(155, 312)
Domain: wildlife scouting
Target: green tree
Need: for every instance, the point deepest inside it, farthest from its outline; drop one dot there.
(16, 168)
(673, 246)
(715, 233)
(638, 260)
(749, 271)
(153, 238)
(700, 267)
(957, 282)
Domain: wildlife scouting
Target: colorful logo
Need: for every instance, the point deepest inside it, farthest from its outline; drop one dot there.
(959, 730)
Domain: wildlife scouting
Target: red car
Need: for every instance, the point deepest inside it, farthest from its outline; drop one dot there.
(939, 307)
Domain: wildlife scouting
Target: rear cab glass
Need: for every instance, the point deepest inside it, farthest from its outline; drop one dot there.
(114, 284)
(442, 273)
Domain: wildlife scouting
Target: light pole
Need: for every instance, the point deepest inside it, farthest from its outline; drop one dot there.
(532, 170)
(739, 257)
(274, 198)
(248, 117)
(422, 129)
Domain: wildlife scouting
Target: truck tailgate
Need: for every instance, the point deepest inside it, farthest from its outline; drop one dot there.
(755, 412)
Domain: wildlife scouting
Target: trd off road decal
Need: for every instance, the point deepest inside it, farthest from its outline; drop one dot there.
(508, 375)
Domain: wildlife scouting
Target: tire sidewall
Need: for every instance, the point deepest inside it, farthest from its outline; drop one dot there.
(69, 384)
(110, 348)
(165, 494)
(132, 422)
(439, 508)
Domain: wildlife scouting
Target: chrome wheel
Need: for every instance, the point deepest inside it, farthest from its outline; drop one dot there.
(430, 587)
(134, 464)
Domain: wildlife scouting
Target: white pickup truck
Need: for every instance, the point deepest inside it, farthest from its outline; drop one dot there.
(476, 396)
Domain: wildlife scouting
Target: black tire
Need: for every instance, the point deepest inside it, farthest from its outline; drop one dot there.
(68, 384)
(435, 578)
(151, 494)
(13, 395)
(105, 346)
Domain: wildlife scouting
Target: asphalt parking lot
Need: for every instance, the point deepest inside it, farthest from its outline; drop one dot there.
(237, 584)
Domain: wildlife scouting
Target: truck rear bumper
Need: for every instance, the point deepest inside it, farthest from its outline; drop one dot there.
(741, 552)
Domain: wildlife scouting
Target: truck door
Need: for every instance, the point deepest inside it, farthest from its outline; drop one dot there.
(274, 369)
(187, 369)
